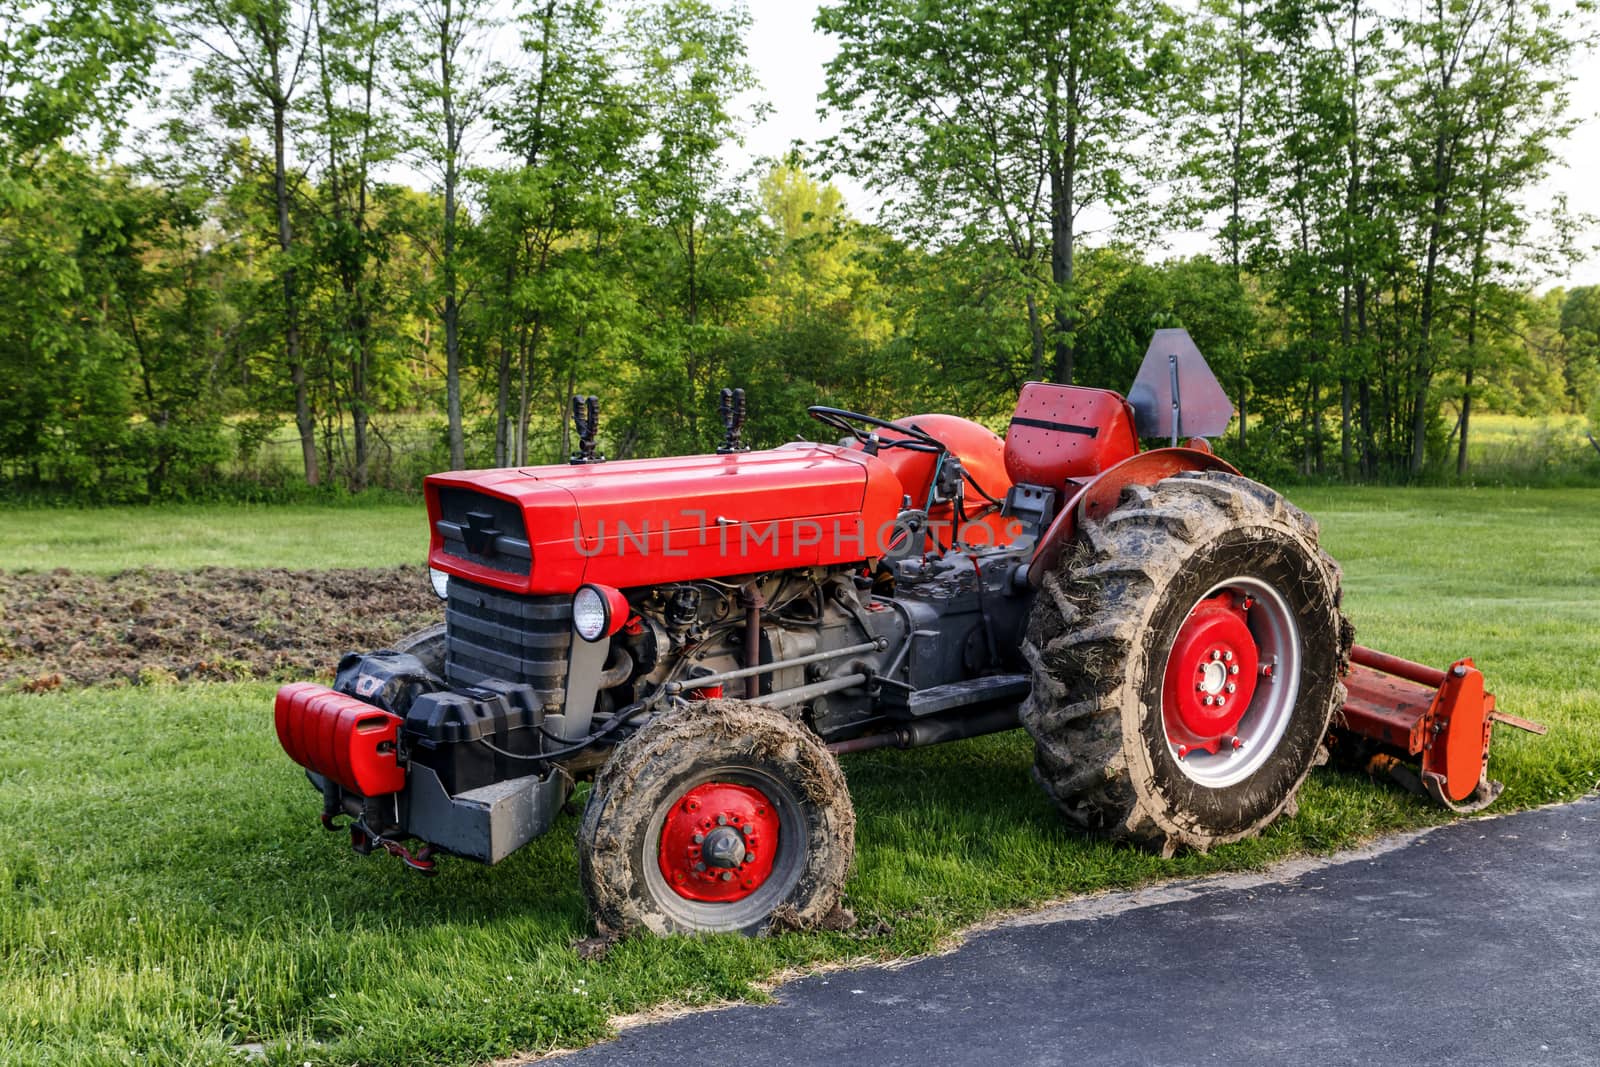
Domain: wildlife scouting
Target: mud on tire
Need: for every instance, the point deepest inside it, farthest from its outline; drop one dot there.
(1098, 641)
(719, 741)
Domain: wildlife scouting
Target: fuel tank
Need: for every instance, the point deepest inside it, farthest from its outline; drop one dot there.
(630, 523)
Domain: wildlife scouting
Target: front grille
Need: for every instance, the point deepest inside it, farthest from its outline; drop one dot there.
(483, 529)
(493, 634)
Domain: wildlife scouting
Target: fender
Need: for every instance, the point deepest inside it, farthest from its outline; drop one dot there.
(1096, 497)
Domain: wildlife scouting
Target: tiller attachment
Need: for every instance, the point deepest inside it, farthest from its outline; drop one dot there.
(1398, 710)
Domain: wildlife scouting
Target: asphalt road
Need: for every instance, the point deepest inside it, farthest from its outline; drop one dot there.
(1476, 943)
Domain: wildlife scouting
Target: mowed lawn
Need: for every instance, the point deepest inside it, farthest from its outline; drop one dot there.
(167, 897)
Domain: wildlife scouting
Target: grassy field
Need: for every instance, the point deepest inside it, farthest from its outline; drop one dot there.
(166, 896)
(182, 537)
(1533, 450)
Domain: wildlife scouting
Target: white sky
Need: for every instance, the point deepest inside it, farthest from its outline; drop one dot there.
(789, 55)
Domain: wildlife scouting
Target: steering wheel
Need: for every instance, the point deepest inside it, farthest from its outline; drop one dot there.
(915, 440)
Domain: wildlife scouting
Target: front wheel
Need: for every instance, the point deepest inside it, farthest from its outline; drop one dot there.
(718, 817)
(1186, 660)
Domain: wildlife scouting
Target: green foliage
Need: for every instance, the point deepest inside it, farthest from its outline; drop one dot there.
(67, 66)
(248, 265)
(990, 127)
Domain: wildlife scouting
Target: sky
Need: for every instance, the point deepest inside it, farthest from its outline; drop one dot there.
(788, 54)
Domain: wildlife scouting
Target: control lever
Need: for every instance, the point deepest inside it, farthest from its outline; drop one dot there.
(586, 420)
(733, 410)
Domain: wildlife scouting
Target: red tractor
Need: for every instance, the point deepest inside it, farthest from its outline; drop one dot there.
(702, 635)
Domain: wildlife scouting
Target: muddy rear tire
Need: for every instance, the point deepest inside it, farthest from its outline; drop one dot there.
(1132, 642)
(722, 816)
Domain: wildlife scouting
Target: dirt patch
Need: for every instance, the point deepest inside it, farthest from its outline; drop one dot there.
(215, 624)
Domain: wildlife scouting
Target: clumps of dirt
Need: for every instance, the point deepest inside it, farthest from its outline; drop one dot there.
(153, 627)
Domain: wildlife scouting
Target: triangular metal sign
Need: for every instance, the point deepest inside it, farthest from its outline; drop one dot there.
(1175, 395)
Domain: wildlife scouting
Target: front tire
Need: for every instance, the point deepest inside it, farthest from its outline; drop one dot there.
(428, 645)
(718, 817)
(1186, 658)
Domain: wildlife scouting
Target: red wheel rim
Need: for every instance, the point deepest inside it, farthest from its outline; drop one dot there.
(1211, 674)
(718, 842)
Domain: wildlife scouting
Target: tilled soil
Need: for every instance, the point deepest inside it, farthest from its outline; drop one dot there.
(216, 623)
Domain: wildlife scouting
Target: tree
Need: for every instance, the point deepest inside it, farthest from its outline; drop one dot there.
(355, 136)
(254, 54)
(67, 66)
(1227, 144)
(1517, 118)
(552, 222)
(989, 123)
(448, 86)
(697, 249)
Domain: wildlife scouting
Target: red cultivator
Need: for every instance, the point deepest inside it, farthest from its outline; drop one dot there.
(1443, 719)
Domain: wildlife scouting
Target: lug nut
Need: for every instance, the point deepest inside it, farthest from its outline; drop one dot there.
(1221, 701)
(1238, 742)
(1227, 655)
(1233, 669)
(727, 876)
(1210, 701)
(1215, 654)
(699, 839)
(722, 820)
(1231, 687)
(700, 866)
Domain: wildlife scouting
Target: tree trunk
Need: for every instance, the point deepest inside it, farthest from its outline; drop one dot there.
(1036, 332)
(502, 406)
(1062, 133)
(1344, 427)
(1365, 406)
(304, 421)
(1368, 458)
(452, 334)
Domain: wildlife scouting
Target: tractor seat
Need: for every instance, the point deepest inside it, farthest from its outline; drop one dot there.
(1064, 431)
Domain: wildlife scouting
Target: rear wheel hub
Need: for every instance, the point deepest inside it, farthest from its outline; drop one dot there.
(718, 842)
(1211, 675)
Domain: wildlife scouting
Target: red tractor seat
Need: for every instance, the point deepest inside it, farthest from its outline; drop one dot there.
(1064, 431)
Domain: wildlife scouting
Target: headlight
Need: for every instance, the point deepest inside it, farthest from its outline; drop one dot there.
(441, 582)
(590, 613)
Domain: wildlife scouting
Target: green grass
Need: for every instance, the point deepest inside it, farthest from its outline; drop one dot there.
(165, 893)
(181, 537)
(1530, 450)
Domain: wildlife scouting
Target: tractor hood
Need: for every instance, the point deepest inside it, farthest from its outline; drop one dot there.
(631, 523)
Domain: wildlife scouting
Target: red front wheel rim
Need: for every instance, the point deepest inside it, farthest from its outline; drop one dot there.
(719, 842)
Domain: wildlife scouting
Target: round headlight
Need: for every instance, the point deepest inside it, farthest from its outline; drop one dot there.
(590, 613)
(441, 582)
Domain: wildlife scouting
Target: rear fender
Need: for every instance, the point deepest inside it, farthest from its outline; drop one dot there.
(1095, 497)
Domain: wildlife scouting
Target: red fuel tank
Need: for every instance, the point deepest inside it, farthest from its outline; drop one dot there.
(630, 523)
